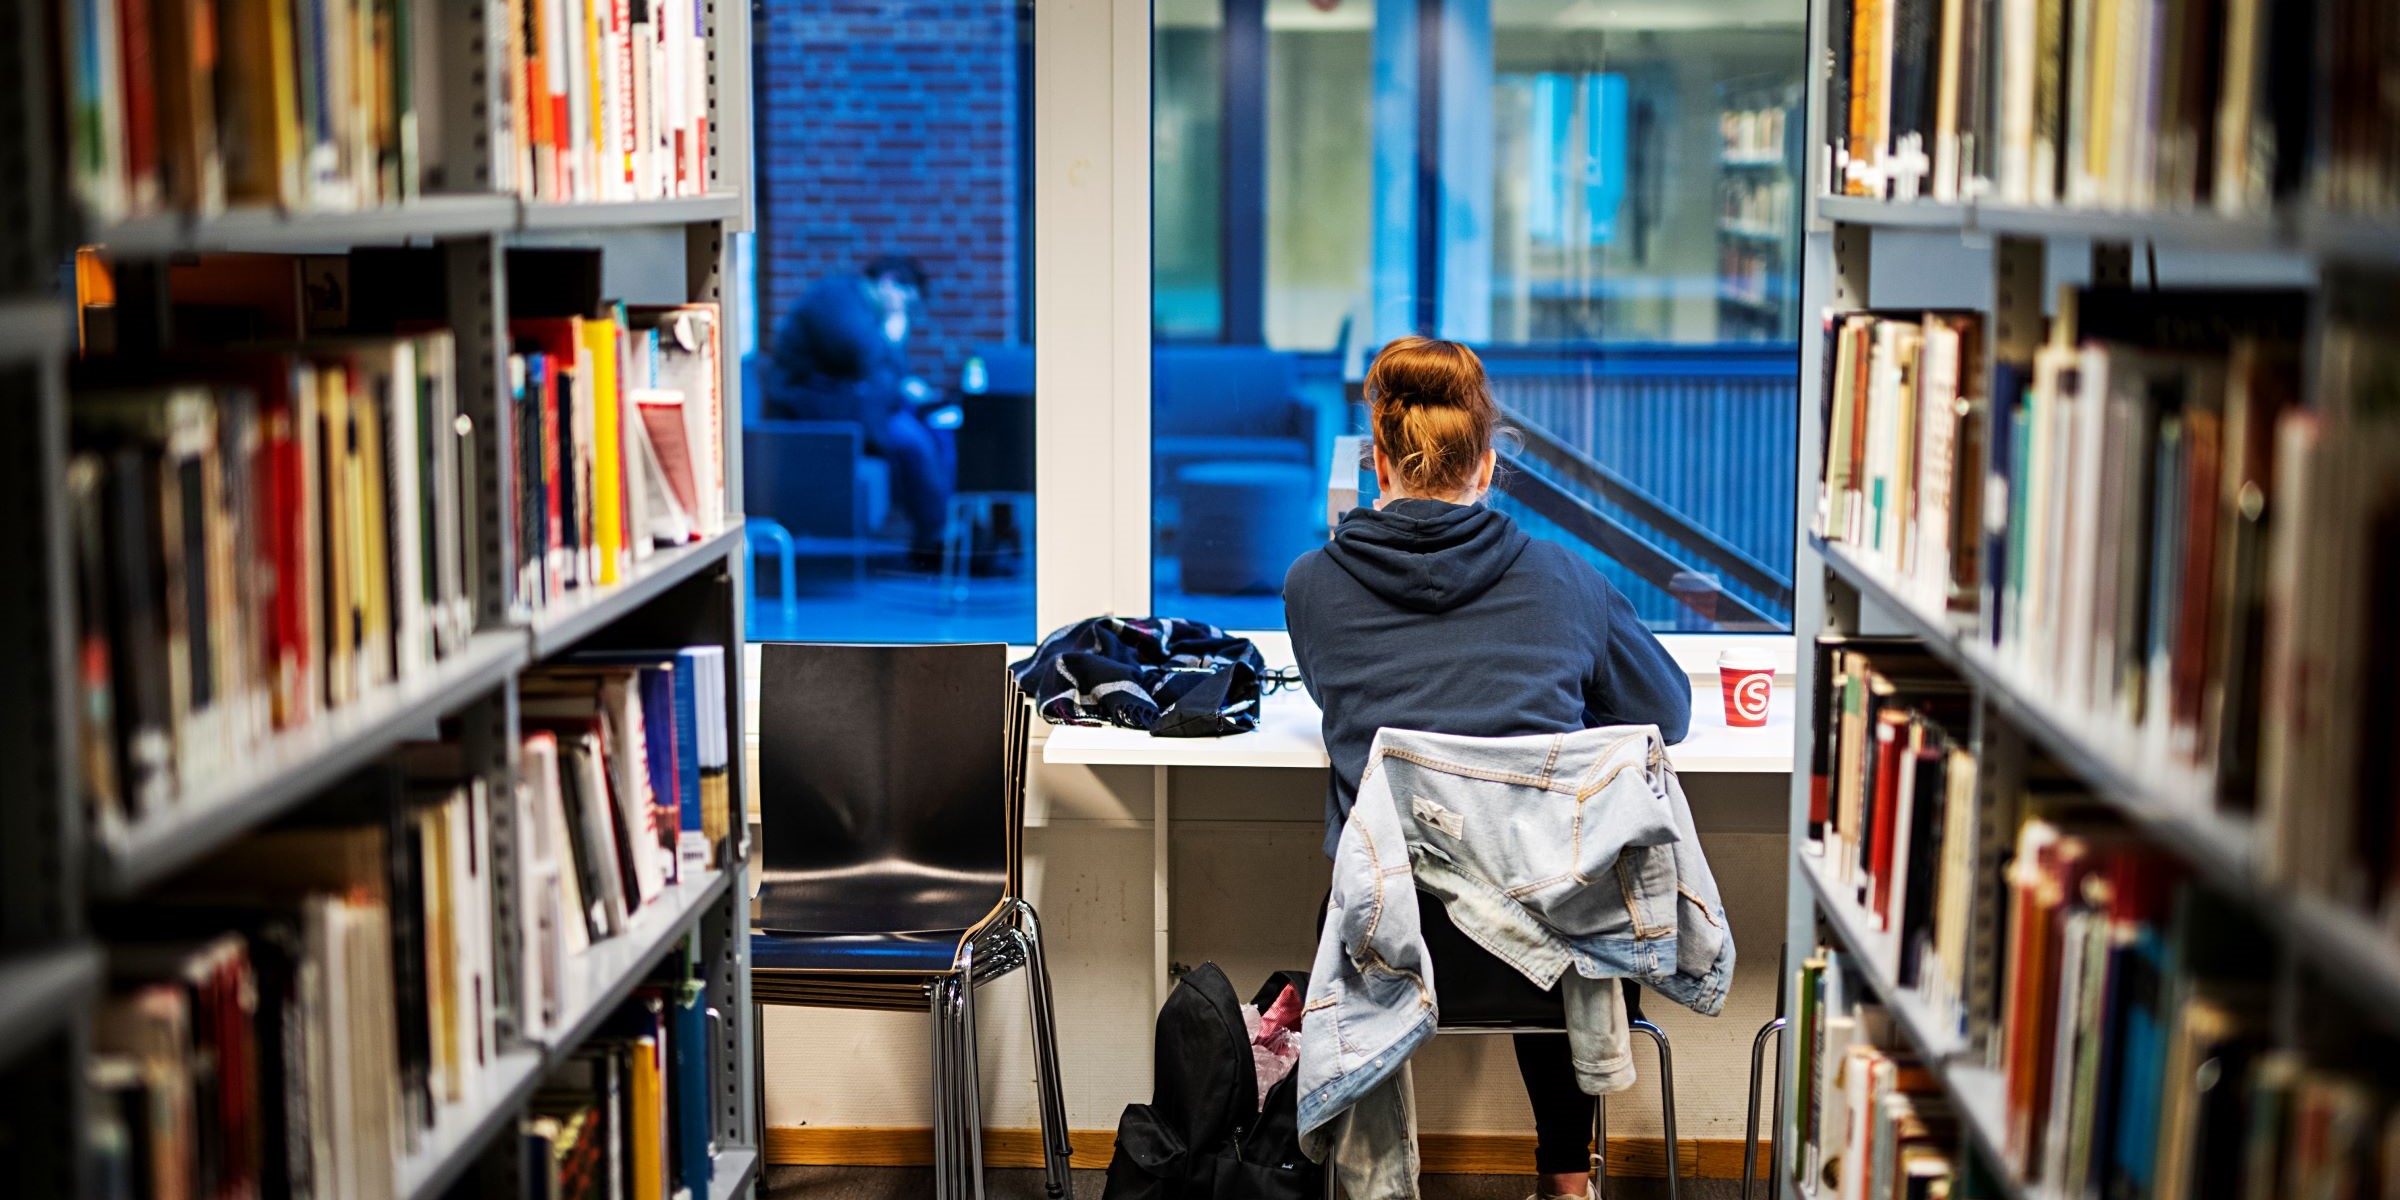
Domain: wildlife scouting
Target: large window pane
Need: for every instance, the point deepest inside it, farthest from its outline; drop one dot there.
(888, 420)
(1598, 198)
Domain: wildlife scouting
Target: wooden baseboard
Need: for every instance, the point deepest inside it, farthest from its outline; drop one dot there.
(1442, 1153)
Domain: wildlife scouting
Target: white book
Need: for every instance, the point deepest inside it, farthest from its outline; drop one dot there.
(412, 618)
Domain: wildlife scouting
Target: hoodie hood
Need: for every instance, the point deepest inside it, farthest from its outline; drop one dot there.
(1427, 555)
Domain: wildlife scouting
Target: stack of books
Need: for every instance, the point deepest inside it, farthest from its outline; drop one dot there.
(1872, 1122)
(624, 760)
(1903, 420)
(261, 537)
(296, 1013)
(618, 424)
(2116, 104)
(627, 1116)
(607, 99)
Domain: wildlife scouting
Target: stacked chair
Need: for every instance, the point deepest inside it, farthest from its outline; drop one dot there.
(892, 787)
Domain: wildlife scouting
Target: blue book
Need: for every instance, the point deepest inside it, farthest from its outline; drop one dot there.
(682, 671)
(657, 690)
(693, 1151)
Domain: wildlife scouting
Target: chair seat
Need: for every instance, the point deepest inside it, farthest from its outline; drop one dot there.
(928, 953)
(886, 898)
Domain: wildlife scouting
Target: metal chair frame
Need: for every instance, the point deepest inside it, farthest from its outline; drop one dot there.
(1666, 1099)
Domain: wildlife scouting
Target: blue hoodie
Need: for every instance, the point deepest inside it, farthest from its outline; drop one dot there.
(1447, 618)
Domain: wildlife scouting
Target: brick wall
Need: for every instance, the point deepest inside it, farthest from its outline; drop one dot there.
(890, 127)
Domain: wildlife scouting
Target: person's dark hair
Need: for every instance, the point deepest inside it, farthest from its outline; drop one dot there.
(898, 266)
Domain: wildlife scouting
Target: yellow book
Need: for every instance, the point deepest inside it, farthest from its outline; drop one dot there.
(608, 457)
(648, 1143)
(339, 564)
(596, 126)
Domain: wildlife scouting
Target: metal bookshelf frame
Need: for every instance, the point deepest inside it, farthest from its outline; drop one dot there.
(52, 865)
(2013, 718)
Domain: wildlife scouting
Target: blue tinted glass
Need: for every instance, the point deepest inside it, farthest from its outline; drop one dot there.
(1600, 201)
(888, 403)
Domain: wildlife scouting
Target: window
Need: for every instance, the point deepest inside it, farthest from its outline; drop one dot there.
(889, 482)
(1599, 198)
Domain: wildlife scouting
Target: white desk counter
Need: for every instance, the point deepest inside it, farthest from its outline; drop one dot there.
(1290, 735)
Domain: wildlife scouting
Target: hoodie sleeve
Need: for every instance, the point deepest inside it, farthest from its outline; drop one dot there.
(1295, 620)
(1635, 681)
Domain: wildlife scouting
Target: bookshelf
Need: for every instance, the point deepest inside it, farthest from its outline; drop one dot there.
(2160, 839)
(1758, 202)
(71, 876)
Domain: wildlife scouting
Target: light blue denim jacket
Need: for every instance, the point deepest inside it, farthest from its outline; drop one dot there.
(1553, 852)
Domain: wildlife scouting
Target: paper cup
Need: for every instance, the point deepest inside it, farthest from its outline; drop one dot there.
(1748, 677)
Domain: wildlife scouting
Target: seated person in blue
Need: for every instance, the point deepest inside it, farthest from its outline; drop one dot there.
(841, 354)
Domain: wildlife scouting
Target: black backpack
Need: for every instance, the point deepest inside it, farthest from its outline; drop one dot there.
(1203, 1136)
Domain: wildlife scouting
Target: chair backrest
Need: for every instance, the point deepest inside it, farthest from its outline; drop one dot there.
(887, 754)
(1249, 391)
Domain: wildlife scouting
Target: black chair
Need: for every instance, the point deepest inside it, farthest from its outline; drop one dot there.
(1506, 1002)
(891, 783)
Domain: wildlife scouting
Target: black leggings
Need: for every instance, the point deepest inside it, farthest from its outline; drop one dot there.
(1472, 981)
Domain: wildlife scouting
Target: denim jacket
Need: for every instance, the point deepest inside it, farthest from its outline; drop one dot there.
(1607, 883)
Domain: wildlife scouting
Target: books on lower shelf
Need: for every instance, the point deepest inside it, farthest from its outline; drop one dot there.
(623, 789)
(1892, 813)
(297, 1013)
(1752, 135)
(2114, 104)
(2136, 1050)
(626, 1116)
(1871, 1121)
(618, 422)
(305, 1010)
(260, 538)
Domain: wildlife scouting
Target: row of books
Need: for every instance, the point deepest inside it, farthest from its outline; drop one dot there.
(1892, 809)
(330, 105)
(1872, 1121)
(1752, 274)
(298, 1012)
(1752, 136)
(607, 99)
(626, 1117)
(2136, 1046)
(2118, 104)
(260, 538)
(298, 104)
(2154, 525)
(1903, 422)
(1756, 206)
(624, 789)
(618, 425)
(2361, 169)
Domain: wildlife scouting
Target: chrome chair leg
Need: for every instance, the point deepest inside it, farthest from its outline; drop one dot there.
(968, 1077)
(1758, 1052)
(938, 996)
(1057, 1150)
(1599, 1148)
(1666, 1101)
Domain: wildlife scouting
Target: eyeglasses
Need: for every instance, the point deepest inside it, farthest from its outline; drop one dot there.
(1276, 679)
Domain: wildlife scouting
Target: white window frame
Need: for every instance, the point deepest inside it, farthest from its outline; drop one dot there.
(1092, 316)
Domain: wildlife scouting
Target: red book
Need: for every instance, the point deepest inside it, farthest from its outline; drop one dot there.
(556, 549)
(1888, 759)
(139, 69)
